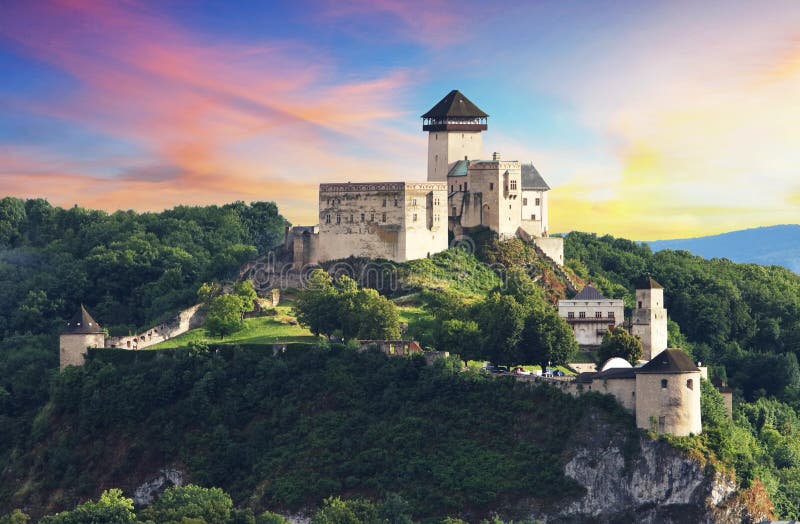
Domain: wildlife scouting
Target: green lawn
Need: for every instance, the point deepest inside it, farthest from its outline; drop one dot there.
(261, 330)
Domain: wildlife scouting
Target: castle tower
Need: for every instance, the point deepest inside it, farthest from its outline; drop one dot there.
(81, 332)
(454, 127)
(649, 321)
(668, 394)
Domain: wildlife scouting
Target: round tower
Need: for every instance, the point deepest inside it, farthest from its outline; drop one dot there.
(80, 334)
(668, 394)
(454, 127)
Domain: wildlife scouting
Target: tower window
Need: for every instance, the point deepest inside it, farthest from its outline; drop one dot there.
(513, 185)
(491, 186)
(415, 217)
(384, 203)
(582, 314)
(383, 217)
(640, 304)
(338, 218)
(328, 219)
(537, 201)
(663, 383)
(610, 314)
(524, 201)
(413, 201)
(571, 314)
(451, 188)
(598, 314)
(690, 384)
(533, 217)
(459, 187)
(351, 218)
(395, 202)
(372, 217)
(465, 186)
(363, 217)
(454, 210)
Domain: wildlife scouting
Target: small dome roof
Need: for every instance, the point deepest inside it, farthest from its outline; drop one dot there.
(616, 363)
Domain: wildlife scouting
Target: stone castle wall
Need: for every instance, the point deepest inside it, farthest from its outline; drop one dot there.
(673, 409)
(72, 348)
(187, 319)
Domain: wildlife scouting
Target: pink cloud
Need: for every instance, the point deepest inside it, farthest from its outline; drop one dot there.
(195, 106)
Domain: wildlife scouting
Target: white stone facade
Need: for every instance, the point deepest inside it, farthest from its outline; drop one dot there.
(591, 319)
(649, 321)
(446, 147)
(396, 221)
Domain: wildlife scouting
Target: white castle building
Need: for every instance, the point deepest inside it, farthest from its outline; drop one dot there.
(403, 221)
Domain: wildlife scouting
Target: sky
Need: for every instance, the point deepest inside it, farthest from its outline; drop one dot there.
(649, 120)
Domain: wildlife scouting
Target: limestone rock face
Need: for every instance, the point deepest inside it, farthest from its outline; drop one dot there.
(656, 484)
(148, 492)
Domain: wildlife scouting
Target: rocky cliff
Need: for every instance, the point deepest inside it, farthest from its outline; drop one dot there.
(638, 479)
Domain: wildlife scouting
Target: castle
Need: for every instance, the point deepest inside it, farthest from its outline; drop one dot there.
(403, 221)
(591, 315)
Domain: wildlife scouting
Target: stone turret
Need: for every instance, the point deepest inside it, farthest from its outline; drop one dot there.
(668, 394)
(649, 321)
(80, 333)
(454, 127)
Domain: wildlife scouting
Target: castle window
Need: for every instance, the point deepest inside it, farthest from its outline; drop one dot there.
(598, 314)
(328, 218)
(662, 424)
(372, 217)
(413, 201)
(640, 304)
(384, 203)
(491, 186)
(663, 383)
(363, 217)
(338, 218)
(537, 201)
(395, 202)
(465, 186)
(513, 185)
(459, 187)
(415, 217)
(451, 188)
(582, 314)
(351, 218)
(533, 217)
(690, 384)
(383, 217)
(454, 210)
(524, 201)
(610, 314)
(571, 314)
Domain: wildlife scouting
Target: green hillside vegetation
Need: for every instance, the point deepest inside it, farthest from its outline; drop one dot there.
(131, 269)
(287, 432)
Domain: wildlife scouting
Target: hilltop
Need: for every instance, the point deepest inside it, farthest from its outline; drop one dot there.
(772, 245)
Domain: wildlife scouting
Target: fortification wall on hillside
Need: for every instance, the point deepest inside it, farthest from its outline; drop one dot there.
(187, 319)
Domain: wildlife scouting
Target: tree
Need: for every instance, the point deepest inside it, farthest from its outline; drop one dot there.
(15, 517)
(501, 320)
(334, 510)
(247, 293)
(224, 315)
(316, 305)
(269, 517)
(110, 508)
(208, 291)
(547, 339)
(618, 342)
(180, 504)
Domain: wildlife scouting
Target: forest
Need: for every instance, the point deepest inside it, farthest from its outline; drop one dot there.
(132, 269)
(234, 418)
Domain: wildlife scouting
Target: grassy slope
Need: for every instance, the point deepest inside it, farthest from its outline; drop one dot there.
(261, 330)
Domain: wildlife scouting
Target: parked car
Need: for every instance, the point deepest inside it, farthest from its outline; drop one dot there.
(521, 371)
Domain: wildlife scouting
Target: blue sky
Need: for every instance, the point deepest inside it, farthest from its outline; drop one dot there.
(649, 120)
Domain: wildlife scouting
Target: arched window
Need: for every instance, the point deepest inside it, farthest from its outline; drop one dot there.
(663, 383)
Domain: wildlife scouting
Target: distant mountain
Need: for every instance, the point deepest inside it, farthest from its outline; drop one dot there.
(774, 245)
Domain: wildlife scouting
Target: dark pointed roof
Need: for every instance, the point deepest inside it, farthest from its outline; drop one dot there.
(455, 105)
(647, 282)
(669, 361)
(82, 324)
(531, 179)
(589, 292)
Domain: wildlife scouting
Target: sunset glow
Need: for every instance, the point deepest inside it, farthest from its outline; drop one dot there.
(672, 120)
